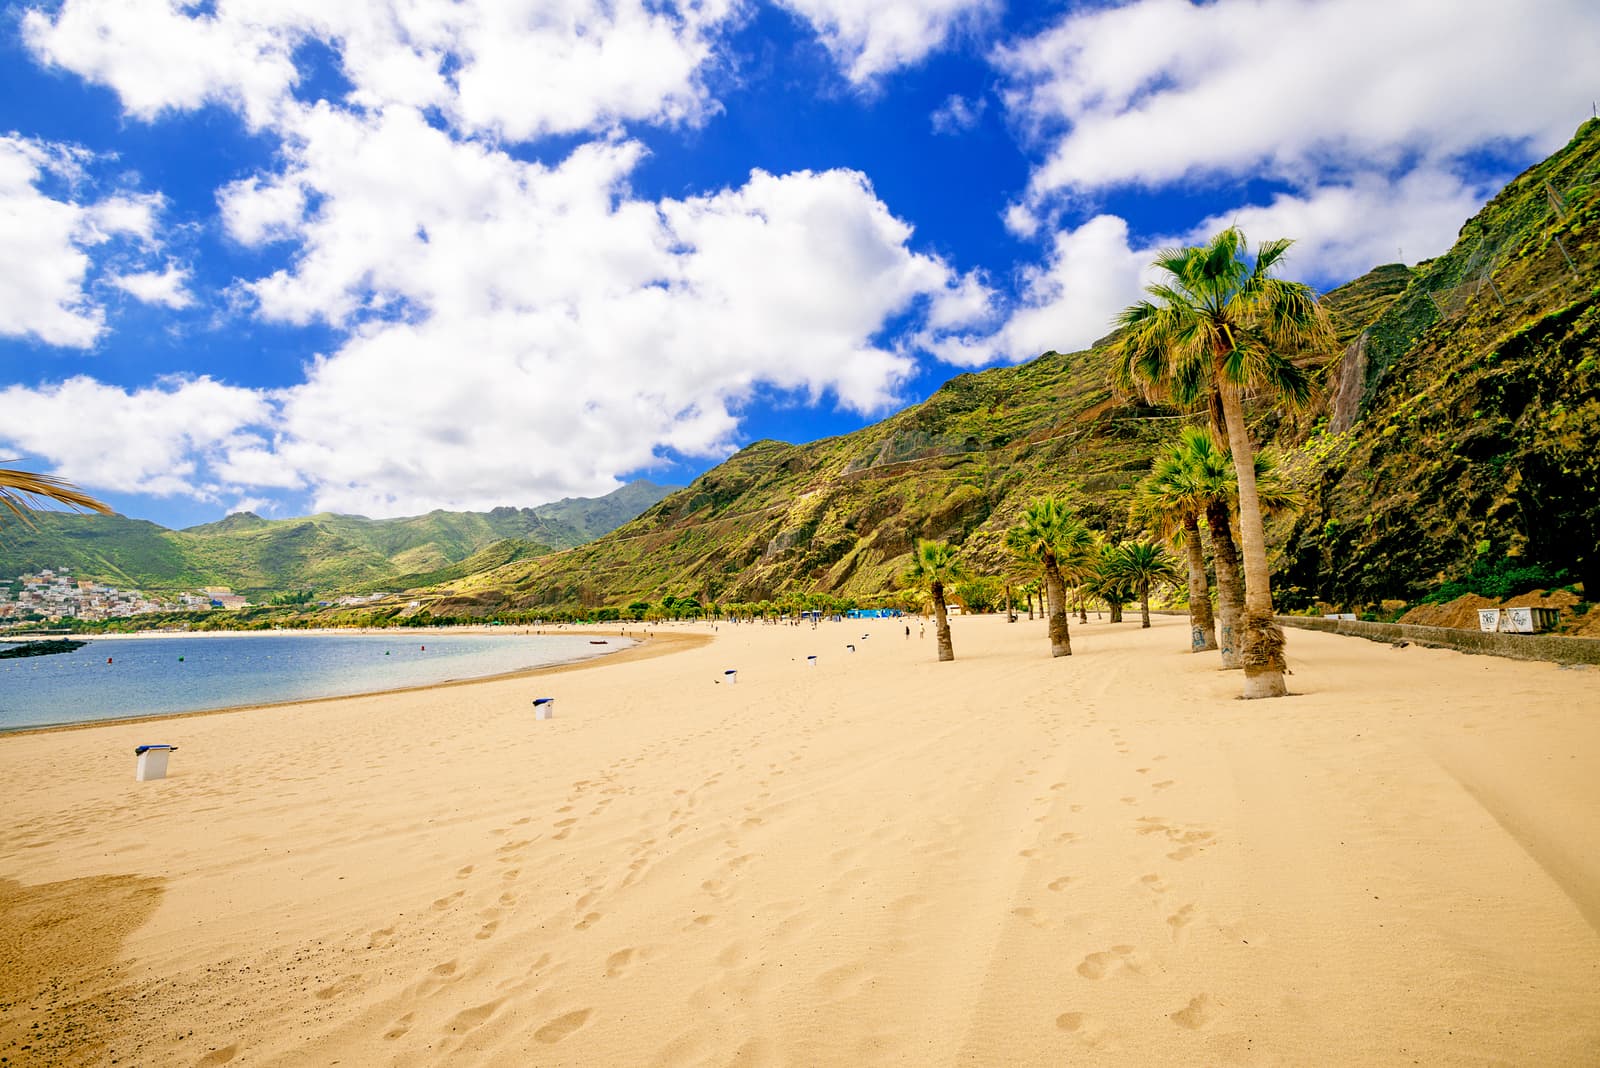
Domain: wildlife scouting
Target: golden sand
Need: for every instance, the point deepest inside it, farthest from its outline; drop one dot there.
(1005, 860)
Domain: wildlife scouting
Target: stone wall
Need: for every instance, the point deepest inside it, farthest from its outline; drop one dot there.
(1551, 647)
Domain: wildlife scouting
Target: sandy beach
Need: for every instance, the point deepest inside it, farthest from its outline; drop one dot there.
(1006, 860)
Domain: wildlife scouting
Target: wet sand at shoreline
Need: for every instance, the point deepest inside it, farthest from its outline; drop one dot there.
(1100, 859)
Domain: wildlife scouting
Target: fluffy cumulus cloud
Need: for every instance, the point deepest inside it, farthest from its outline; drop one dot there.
(870, 39)
(169, 438)
(48, 242)
(514, 69)
(1157, 91)
(525, 332)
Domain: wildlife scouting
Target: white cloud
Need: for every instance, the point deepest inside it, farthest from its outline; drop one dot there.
(513, 69)
(166, 288)
(1158, 91)
(958, 114)
(45, 242)
(871, 39)
(162, 439)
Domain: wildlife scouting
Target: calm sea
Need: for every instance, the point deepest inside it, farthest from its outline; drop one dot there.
(115, 677)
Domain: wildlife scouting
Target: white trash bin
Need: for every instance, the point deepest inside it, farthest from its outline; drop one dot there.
(1489, 619)
(811, 661)
(544, 708)
(731, 675)
(152, 762)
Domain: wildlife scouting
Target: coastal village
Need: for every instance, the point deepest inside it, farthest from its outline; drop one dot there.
(53, 594)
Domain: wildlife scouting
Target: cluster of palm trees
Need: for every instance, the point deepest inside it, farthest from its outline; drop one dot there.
(1218, 326)
(1073, 563)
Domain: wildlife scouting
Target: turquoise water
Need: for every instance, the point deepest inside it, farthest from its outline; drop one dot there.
(159, 676)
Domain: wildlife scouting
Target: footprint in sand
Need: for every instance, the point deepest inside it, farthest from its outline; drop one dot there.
(449, 899)
(618, 963)
(467, 1019)
(1163, 784)
(562, 1026)
(844, 981)
(487, 930)
(587, 922)
(343, 986)
(218, 1056)
(1179, 920)
(1061, 883)
(447, 968)
(1196, 1014)
(464, 872)
(401, 1026)
(1099, 965)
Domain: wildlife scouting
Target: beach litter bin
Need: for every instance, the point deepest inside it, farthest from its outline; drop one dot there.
(152, 762)
(731, 675)
(544, 708)
(1489, 619)
(1529, 620)
(851, 648)
(811, 661)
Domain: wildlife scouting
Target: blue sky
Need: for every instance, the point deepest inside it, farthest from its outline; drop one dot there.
(390, 256)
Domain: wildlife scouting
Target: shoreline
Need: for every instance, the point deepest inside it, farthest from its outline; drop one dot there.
(643, 648)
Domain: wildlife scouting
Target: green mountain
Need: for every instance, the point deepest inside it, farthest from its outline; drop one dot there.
(1456, 426)
(327, 552)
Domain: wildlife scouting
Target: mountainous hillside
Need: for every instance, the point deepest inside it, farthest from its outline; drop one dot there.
(1456, 426)
(1475, 448)
(323, 552)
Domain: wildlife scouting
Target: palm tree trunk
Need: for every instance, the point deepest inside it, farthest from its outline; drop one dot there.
(1202, 629)
(941, 623)
(1116, 611)
(1055, 595)
(1260, 639)
(1230, 595)
(1144, 605)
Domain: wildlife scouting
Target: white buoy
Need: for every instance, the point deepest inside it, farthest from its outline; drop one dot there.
(152, 763)
(544, 708)
(731, 675)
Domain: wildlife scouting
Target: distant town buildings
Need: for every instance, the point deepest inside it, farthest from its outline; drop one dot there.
(55, 595)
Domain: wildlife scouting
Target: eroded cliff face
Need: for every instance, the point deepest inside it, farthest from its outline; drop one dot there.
(1474, 436)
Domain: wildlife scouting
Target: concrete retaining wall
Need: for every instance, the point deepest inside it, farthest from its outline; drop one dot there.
(1549, 647)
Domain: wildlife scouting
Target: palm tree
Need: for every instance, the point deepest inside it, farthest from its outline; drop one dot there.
(1051, 535)
(22, 491)
(1107, 585)
(1139, 564)
(1218, 328)
(1169, 502)
(933, 564)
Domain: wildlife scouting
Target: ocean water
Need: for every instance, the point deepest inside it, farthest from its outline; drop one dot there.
(157, 676)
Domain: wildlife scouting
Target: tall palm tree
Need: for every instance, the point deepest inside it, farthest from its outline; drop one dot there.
(22, 491)
(1218, 327)
(1169, 502)
(933, 563)
(1141, 564)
